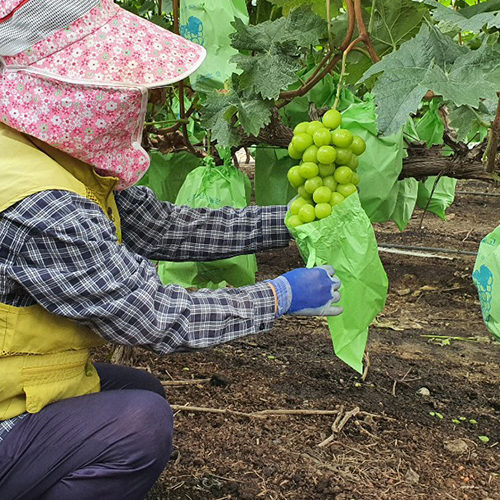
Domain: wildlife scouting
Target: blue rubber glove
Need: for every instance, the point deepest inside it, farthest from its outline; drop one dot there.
(308, 292)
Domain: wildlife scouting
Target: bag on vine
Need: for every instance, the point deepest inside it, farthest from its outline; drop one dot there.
(486, 277)
(213, 186)
(209, 24)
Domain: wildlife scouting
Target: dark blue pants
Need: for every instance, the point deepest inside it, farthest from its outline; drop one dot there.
(112, 445)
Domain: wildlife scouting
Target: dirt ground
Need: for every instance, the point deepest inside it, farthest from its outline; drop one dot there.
(420, 410)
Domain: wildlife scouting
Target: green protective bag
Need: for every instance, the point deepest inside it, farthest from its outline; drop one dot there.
(271, 183)
(430, 129)
(168, 172)
(442, 198)
(380, 165)
(346, 240)
(208, 23)
(212, 187)
(486, 277)
(405, 204)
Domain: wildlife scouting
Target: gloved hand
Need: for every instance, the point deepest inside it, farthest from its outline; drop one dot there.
(308, 292)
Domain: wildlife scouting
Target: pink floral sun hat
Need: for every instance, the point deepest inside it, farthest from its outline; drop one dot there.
(76, 75)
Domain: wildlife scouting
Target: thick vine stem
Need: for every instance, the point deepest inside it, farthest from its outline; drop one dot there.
(492, 149)
(421, 162)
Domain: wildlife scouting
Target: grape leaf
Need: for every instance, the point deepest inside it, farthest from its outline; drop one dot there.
(468, 122)
(275, 47)
(318, 6)
(431, 61)
(392, 24)
(222, 107)
(472, 18)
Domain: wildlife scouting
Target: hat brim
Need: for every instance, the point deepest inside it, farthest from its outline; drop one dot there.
(128, 50)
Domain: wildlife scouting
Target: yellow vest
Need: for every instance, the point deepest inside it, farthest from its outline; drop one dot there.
(44, 357)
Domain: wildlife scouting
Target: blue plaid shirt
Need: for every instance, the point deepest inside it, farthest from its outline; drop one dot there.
(59, 250)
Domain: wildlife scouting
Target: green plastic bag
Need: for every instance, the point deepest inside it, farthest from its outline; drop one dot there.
(271, 182)
(442, 198)
(212, 187)
(380, 165)
(168, 172)
(346, 240)
(430, 129)
(405, 203)
(209, 24)
(486, 277)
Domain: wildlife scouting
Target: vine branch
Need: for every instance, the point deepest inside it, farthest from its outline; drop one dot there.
(318, 75)
(363, 33)
(182, 105)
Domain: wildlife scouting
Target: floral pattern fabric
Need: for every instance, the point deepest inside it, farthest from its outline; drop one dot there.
(109, 44)
(84, 89)
(101, 125)
(8, 6)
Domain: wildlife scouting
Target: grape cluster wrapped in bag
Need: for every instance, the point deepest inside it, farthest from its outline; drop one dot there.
(326, 175)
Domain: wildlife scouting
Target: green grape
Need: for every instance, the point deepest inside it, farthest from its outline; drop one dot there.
(312, 184)
(346, 189)
(344, 156)
(322, 194)
(326, 154)
(322, 137)
(330, 182)
(294, 221)
(301, 128)
(294, 177)
(310, 154)
(306, 213)
(353, 162)
(342, 138)
(303, 193)
(322, 210)
(296, 204)
(358, 146)
(343, 175)
(313, 126)
(301, 142)
(355, 179)
(308, 169)
(336, 199)
(326, 170)
(293, 153)
(332, 119)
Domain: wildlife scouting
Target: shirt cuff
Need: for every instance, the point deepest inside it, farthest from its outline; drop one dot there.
(284, 293)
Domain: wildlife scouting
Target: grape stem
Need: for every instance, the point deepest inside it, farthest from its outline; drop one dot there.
(343, 70)
(329, 20)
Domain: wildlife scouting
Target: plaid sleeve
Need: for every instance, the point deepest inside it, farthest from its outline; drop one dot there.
(68, 261)
(163, 231)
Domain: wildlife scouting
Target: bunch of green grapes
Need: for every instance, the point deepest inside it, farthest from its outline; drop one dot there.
(326, 175)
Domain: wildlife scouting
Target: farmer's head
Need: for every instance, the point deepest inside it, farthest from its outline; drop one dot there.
(76, 74)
